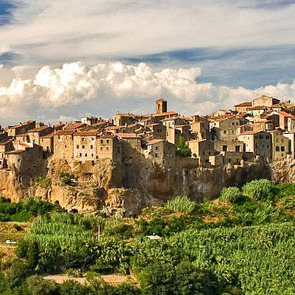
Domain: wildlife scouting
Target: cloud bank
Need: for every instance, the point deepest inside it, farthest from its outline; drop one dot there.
(57, 31)
(53, 89)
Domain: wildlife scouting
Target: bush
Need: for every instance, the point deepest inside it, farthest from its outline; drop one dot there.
(230, 194)
(181, 204)
(258, 189)
(182, 149)
(36, 285)
(67, 178)
(72, 287)
(44, 182)
(183, 279)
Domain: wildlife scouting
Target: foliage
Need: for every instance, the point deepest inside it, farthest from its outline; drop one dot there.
(37, 285)
(242, 246)
(44, 181)
(24, 210)
(230, 194)
(258, 189)
(67, 178)
(182, 279)
(182, 149)
(181, 204)
(71, 287)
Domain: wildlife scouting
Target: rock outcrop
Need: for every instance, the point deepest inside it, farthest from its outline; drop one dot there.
(126, 188)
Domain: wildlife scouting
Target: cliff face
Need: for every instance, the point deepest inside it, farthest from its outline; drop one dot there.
(127, 188)
(284, 171)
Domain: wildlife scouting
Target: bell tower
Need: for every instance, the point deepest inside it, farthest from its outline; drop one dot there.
(161, 106)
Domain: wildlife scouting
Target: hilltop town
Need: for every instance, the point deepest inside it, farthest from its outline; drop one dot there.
(131, 161)
(264, 128)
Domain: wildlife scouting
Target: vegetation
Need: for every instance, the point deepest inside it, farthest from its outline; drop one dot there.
(240, 243)
(24, 210)
(230, 194)
(67, 178)
(181, 204)
(182, 149)
(44, 182)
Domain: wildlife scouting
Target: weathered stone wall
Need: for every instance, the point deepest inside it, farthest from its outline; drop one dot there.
(128, 187)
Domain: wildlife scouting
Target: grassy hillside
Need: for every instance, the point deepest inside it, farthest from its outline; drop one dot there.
(241, 243)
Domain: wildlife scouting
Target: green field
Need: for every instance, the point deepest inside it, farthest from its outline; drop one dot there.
(241, 243)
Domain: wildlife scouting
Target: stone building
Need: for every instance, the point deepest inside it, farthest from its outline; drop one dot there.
(85, 145)
(74, 126)
(89, 120)
(202, 149)
(20, 128)
(64, 144)
(291, 137)
(262, 125)
(161, 106)
(256, 110)
(108, 147)
(280, 145)
(200, 127)
(242, 107)
(158, 131)
(46, 142)
(161, 151)
(225, 128)
(286, 121)
(232, 146)
(123, 119)
(257, 142)
(36, 133)
(26, 161)
(265, 101)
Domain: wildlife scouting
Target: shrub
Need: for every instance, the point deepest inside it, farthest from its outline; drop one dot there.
(72, 287)
(183, 279)
(230, 194)
(67, 178)
(44, 182)
(36, 285)
(182, 149)
(258, 189)
(181, 204)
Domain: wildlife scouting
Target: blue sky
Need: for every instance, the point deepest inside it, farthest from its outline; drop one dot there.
(237, 50)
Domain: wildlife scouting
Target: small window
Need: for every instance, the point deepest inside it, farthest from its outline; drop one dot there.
(107, 148)
(77, 146)
(101, 141)
(282, 148)
(86, 155)
(156, 155)
(91, 146)
(267, 136)
(277, 148)
(83, 146)
(108, 141)
(101, 148)
(80, 155)
(156, 148)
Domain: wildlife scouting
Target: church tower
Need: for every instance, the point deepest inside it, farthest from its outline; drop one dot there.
(161, 106)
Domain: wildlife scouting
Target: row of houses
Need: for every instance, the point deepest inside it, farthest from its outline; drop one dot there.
(263, 128)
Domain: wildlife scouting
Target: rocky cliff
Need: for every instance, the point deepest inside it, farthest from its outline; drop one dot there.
(126, 188)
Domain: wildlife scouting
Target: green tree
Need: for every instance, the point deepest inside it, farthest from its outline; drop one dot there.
(36, 285)
(72, 287)
(230, 194)
(182, 149)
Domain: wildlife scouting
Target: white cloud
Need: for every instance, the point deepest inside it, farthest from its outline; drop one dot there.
(76, 29)
(77, 83)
